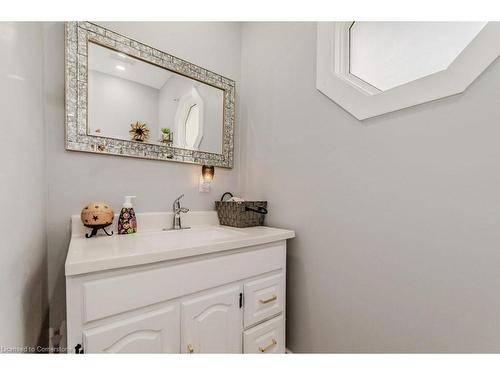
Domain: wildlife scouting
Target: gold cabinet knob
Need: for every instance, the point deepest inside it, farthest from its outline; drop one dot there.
(190, 349)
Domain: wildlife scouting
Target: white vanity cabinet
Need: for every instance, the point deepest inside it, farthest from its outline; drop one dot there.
(216, 301)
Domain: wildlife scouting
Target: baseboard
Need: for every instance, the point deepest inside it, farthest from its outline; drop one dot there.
(57, 338)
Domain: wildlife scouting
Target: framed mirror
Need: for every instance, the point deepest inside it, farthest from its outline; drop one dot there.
(127, 98)
(372, 68)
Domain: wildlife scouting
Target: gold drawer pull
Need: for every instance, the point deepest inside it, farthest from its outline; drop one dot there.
(273, 298)
(265, 349)
(190, 348)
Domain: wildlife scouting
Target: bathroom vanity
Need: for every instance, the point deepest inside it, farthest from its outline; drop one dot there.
(207, 289)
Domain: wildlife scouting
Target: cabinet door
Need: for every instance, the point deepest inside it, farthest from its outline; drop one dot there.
(156, 331)
(212, 322)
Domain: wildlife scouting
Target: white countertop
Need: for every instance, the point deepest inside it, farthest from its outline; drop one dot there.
(150, 246)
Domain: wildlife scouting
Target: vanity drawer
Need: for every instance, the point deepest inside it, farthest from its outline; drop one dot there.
(264, 298)
(267, 337)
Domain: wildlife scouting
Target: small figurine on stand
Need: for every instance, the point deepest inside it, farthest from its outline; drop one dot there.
(97, 215)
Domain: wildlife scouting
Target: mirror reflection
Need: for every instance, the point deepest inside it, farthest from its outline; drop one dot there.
(133, 100)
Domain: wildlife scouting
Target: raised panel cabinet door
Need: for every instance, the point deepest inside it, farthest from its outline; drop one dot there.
(212, 322)
(156, 331)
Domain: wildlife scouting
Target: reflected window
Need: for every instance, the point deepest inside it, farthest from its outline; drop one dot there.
(192, 125)
(188, 132)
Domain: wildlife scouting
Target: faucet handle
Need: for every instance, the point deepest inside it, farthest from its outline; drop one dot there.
(177, 204)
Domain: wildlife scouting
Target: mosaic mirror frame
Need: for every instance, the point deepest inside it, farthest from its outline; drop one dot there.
(78, 36)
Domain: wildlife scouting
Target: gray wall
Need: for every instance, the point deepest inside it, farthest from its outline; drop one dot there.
(397, 218)
(115, 103)
(23, 273)
(76, 178)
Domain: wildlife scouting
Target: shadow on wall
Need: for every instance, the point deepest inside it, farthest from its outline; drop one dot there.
(34, 304)
(295, 266)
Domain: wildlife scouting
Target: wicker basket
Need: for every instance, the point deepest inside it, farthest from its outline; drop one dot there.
(241, 214)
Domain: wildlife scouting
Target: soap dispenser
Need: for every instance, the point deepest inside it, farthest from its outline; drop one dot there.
(127, 223)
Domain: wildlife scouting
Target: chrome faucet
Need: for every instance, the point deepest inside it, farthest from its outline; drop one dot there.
(177, 209)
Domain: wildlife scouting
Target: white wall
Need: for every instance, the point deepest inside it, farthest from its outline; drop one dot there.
(75, 178)
(22, 187)
(116, 103)
(172, 90)
(397, 218)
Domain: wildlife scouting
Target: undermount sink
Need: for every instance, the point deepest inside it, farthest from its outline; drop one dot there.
(209, 233)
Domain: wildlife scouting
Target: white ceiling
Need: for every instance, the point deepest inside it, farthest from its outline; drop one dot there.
(105, 60)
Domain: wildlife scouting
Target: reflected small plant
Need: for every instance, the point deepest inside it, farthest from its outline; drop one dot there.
(166, 135)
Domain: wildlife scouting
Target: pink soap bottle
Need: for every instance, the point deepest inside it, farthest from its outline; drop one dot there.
(127, 222)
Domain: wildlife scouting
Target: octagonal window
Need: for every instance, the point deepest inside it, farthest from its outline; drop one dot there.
(389, 54)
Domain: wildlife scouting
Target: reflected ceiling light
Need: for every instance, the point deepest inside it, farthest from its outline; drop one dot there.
(120, 67)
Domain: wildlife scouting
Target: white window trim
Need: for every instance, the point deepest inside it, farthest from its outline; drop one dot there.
(342, 63)
(364, 101)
